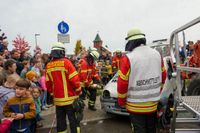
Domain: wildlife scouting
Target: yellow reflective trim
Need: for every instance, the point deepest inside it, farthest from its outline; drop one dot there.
(142, 104)
(56, 69)
(73, 74)
(46, 77)
(163, 69)
(122, 76)
(83, 71)
(78, 130)
(63, 103)
(141, 110)
(51, 77)
(59, 63)
(91, 82)
(63, 131)
(65, 99)
(82, 84)
(64, 84)
(122, 95)
(78, 89)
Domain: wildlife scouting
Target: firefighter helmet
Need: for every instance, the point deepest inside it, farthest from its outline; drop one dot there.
(134, 34)
(94, 54)
(58, 46)
(118, 53)
(58, 50)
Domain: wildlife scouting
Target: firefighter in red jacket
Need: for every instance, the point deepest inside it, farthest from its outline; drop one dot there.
(63, 83)
(116, 60)
(88, 75)
(140, 80)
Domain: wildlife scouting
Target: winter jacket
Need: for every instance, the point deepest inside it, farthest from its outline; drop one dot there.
(5, 94)
(23, 105)
(62, 81)
(87, 73)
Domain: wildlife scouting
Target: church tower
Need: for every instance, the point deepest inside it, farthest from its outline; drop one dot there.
(97, 42)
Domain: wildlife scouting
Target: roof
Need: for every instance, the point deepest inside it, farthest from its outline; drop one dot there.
(97, 38)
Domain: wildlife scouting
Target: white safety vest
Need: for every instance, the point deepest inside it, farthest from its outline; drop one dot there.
(145, 75)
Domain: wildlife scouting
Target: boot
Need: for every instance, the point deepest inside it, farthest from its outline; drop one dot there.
(92, 108)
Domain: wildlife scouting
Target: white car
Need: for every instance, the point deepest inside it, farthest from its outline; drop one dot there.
(109, 96)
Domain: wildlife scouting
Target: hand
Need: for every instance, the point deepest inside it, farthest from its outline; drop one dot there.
(19, 116)
(13, 115)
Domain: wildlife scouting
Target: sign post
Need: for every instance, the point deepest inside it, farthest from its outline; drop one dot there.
(63, 28)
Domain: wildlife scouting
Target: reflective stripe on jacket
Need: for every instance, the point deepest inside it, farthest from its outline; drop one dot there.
(62, 80)
(87, 73)
(127, 82)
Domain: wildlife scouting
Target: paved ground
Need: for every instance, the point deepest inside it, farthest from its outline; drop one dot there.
(89, 116)
(100, 122)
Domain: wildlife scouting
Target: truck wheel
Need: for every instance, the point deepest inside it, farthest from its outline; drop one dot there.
(194, 88)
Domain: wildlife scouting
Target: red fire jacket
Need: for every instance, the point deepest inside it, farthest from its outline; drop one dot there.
(115, 62)
(87, 73)
(62, 81)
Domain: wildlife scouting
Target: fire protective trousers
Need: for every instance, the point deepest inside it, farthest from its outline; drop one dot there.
(61, 113)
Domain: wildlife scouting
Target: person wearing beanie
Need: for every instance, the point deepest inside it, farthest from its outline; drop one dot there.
(32, 77)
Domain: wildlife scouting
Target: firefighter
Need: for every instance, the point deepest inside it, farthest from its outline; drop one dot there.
(140, 80)
(116, 60)
(88, 75)
(63, 83)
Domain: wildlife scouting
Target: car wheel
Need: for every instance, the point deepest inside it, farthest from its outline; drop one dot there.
(194, 87)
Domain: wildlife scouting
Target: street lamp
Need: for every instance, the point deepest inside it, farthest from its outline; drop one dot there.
(36, 39)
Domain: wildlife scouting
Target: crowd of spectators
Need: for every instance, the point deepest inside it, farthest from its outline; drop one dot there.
(16, 66)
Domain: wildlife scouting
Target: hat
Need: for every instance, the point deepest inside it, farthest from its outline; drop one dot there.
(58, 46)
(30, 75)
(134, 34)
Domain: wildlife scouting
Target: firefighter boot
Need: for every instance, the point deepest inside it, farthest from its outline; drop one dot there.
(92, 108)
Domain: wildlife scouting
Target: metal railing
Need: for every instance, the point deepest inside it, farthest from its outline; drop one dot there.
(177, 91)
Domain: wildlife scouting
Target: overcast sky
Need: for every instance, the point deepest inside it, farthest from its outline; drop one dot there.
(111, 18)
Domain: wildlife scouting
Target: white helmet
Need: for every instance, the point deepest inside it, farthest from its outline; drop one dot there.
(134, 34)
(58, 46)
(94, 54)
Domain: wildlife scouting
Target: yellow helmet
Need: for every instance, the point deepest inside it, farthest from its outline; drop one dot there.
(118, 51)
(58, 46)
(94, 54)
(134, 34)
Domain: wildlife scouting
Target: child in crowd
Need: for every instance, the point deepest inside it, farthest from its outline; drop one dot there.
(20, 107)
(7, 91)
(37, 67)
(36, 92)
(109, 69)
(26, 65)
(32, 77)
(44, 88)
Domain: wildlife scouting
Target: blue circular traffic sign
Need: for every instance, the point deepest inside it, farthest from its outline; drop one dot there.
(63, 27)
